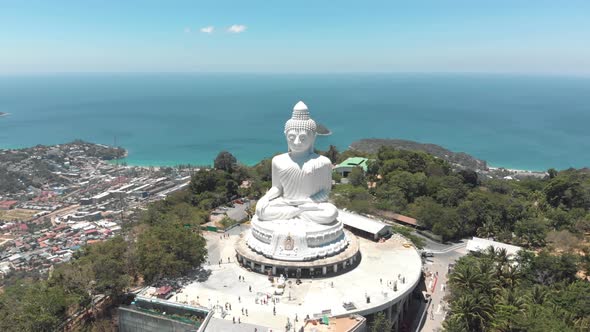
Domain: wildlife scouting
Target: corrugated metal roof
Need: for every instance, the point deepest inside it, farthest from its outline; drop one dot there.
(361, 222)
(479, 244)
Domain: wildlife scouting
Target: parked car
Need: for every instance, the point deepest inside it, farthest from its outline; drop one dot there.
(427, 254)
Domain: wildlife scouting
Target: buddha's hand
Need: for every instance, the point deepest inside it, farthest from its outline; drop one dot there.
(309, 207)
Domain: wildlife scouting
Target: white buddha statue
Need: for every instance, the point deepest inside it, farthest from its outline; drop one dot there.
(301, 179)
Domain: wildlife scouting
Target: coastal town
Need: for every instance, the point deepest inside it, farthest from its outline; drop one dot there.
(56, 199)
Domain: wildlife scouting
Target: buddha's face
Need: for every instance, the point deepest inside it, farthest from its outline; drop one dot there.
(300, 140)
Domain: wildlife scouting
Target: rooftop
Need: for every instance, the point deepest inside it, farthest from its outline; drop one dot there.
(361, 222)
(404, 219)
(353, 162)
(479, 244)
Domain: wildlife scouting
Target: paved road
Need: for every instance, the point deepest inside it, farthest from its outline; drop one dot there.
(436, 284)
(434, 246)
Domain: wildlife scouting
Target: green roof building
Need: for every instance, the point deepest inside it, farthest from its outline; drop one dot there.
(345, 167)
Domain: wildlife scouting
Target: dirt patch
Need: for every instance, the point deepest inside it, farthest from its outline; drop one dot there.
(17, 215)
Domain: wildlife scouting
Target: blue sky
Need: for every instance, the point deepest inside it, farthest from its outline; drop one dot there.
(295, 36)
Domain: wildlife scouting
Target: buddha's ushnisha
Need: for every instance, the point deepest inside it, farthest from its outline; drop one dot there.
(301, 179)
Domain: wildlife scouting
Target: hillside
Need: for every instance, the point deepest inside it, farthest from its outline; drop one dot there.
(458, 159)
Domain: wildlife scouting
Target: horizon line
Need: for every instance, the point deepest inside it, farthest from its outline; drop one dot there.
(494, 73)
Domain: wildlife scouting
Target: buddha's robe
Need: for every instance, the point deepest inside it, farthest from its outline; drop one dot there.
(305, 188)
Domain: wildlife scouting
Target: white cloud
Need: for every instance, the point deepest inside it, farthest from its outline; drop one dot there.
(187, 30)
(208, 29)
(236, 28)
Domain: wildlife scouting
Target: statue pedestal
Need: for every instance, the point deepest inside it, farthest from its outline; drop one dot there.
(296, 239)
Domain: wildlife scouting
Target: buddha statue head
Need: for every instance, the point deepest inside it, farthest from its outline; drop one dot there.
(300, 130)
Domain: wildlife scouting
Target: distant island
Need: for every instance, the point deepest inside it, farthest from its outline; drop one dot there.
(3, 113)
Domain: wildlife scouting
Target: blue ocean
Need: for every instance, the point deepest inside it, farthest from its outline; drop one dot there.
(524, 122)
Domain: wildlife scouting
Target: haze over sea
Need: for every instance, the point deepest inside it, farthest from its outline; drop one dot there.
(524, 122)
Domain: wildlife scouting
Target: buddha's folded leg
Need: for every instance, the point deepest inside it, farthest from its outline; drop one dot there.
(325, 214)
(279, 212)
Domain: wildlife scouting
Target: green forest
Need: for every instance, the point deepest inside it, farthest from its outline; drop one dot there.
(457, 203)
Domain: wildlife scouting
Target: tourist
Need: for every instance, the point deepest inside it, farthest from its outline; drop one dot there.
(234, 319)
(250, 289)
(239, 299)
(239, 320)
(274, 310)
(246, 312)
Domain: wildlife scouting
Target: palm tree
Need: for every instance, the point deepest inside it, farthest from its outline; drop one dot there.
(502, 257)
(508, 306)
(474, 310)
(466, 277)
(488, 229)
(489, 253)
(510, 276)
(537, 295)
(455, 324)
(488, 281)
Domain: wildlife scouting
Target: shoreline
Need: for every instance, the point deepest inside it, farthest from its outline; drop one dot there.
(520, 172)
(197, 164)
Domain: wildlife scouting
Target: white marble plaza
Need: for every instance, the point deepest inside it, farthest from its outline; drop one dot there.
(381, 265)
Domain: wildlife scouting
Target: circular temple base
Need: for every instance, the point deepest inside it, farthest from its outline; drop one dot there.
(296, 239)
(320, 267)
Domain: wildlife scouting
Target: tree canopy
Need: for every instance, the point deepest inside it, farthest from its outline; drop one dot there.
(225, 161)
(456, 203)
(491, 291)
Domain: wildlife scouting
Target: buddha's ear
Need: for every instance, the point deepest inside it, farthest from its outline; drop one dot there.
(313, 135)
